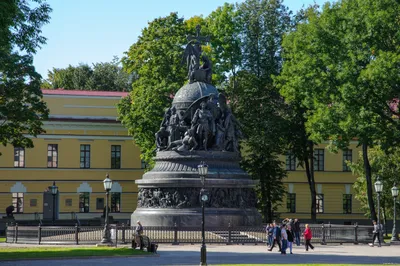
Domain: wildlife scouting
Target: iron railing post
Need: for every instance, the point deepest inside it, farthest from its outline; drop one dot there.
(39, 234)
(123, 234)
(16, 233)
(76, 234)
(116, 236)
(323, 241)
(6, 231)
(175, 235)
(356, 233)
(229, 234)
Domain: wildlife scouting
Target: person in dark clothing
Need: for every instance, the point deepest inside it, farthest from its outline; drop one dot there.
(277, 237)
(376, 234)
(270, 234)
(296, 231)
(290, 234)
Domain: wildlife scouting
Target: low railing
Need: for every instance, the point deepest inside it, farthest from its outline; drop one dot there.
(122, 234)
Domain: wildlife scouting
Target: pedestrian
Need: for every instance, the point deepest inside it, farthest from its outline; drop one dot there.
(307, 237)
(296, 230)
(270, 234)
(376, 233)
(138, 235)
(276, 237)
(284, 239)
(290, 234)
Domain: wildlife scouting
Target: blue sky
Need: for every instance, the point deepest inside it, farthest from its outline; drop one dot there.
(91, 31)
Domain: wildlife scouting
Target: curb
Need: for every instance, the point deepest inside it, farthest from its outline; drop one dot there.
(82, 257)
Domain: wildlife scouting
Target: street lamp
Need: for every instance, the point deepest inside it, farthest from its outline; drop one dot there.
(203, 171)
(395, 193)
(54, 191)
(378, 189)
(106, 232)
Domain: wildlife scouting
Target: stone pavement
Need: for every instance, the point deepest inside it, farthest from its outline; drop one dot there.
(239, 254)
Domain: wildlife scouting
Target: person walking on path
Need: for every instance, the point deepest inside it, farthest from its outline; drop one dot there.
(307, 236)
(270, 234)
(276, 237)
(290, 234)
(284, 239)
(376, 234)
(296, 230)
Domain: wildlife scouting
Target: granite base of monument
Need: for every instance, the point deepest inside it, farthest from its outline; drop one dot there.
(192, 217)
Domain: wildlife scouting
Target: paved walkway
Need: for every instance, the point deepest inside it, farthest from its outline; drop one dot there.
(239, 254)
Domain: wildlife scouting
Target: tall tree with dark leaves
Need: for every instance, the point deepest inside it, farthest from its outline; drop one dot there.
(256, 101)
(343, 63)
(156, 60)
(22, 110)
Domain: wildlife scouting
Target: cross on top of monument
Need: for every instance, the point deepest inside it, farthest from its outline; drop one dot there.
(198, 38)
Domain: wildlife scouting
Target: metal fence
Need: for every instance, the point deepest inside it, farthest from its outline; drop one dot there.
(122, 234)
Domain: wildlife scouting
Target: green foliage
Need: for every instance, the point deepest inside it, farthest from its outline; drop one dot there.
(384, 165)
(341, 65)
(21, 107)
(107, 76)
(156, 60)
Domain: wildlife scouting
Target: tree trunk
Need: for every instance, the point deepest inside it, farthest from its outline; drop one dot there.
(368, 177)
(264, 200)
(309, 164)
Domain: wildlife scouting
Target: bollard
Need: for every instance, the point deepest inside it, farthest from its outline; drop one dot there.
(175, 235)
(356, 234)
(323, 241)
(229, 234)
(76, 234)
(39, 234)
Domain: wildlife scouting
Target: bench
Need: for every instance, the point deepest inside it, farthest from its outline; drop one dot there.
(143, 242)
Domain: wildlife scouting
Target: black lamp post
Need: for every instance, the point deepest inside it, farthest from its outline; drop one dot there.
(395, 193)
(106, 232)
(378, 188)
(54, 191)
(203, 171)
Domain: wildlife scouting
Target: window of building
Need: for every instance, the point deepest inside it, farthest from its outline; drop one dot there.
(115, 202)
(84, 202)
(18, 202)
(291, 202)
(52, 155)
(320, 203)
(347, 203)
(290, 161)
(319, 160)
(85, 156)
(99, 203)
(19, 157)
(347, 156)
(144, 164)
(68, 202)
(33, 203)
(115, 156)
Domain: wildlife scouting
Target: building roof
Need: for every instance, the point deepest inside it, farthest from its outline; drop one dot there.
(85, 93)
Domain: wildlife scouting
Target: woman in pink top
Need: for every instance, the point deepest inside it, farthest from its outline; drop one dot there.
(307, 236)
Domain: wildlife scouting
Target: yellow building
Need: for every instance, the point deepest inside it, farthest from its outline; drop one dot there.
(334, 187)
(83, 142)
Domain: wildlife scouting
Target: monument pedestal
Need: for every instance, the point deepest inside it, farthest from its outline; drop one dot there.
(169, 194)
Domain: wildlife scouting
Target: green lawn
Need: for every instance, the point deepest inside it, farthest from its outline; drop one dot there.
(305, 264)
(53, 252)
(2, 239)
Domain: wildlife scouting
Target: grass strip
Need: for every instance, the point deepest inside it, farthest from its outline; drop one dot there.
(2, 239)
(306, 264)
(7, 253)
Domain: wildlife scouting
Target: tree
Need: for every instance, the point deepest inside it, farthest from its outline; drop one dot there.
(342, 64)
(384, 165)
(21, 107)
(256, 101)
(156, 61)
(106, 76)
